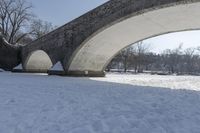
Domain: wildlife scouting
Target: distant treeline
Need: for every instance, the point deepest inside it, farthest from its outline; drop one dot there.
(139, 59)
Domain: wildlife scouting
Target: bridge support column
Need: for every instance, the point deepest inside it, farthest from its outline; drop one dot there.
(86, 73)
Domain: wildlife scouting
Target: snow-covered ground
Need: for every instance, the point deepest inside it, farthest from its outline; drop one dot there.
(115, 104)
(172, 82)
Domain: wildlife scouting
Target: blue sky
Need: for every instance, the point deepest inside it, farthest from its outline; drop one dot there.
(59, 13)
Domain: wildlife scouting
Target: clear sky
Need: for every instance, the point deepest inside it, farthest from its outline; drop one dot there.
(59, 12)
(173, 40)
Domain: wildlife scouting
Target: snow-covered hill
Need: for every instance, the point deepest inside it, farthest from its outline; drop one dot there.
(115, 104)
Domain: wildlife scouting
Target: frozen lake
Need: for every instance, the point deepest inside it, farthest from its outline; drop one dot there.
(114, 104)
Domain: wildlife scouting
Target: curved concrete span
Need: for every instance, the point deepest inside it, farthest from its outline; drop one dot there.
(95, 53)
(85, 45)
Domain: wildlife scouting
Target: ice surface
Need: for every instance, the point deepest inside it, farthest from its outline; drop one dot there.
(115, 104)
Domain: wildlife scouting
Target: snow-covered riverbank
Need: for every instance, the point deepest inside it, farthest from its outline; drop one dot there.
(115, 104)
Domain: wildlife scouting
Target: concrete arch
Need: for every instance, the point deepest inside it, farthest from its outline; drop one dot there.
(97, 50)
(85, 45)
(37, 61)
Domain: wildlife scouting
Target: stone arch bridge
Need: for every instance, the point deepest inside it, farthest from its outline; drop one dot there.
(86, 45)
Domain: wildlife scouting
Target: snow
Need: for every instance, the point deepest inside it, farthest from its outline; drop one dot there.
(115, 104)
(57, 67)
(172, 82)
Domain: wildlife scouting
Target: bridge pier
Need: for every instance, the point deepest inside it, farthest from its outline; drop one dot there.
(86, 73)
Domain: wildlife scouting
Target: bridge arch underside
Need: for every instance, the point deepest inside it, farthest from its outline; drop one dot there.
(37, 61)
(96, 52)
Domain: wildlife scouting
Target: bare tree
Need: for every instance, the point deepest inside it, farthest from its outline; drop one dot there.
(14, 16)
(125, 55)
(138, 58)
(189, 59)
(177, 60)
(172, 59)
(40, 28)
(133, 57)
